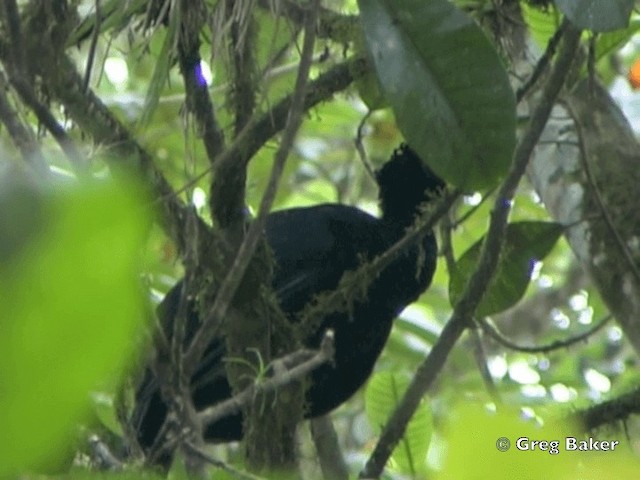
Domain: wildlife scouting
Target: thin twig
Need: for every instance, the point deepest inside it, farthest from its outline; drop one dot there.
(235, 473)
(92, 47)
(542, 64)
(464, 310)
(493, 331)
(465, 216)
(362, 153)
(479, 353)
(591, 61)
(480, 356)
(446, 250)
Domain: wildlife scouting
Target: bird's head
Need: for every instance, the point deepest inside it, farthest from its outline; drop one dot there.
(404, 183)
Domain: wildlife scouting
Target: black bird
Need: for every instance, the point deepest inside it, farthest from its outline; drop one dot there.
(313, 247)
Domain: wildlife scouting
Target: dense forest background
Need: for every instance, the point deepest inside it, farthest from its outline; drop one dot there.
(136, 135)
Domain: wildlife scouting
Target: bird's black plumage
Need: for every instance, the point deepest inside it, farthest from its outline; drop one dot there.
(313, 247)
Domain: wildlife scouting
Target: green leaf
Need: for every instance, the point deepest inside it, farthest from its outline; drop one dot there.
(104, 409)
(610, 42)
(597, 15)
(70, 303)
(542, 24)
(526, 243)
(472, 433)
(447, 86)
(397, 352)
(405, 326)
(370, 93)
(383, 393)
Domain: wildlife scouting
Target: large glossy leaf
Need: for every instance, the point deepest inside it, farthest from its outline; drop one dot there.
(69, 304)
(446, 85)
(597, 15)
(384, 391)
(526, 243)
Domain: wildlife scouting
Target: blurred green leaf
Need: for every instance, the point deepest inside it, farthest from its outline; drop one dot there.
(526, 243)
(472, 453)
(104, 409)
(427, 336)
(608, 43)
(542, 23)
(369, 89)
(384, 391)
(71, 302)
(447, 86)
(397, 352)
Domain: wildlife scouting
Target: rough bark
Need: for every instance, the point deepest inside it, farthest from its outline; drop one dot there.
(586, 170)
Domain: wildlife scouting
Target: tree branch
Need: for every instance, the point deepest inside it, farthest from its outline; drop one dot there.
(325, 439)
(245, 253)
(12, 19)
(611, 411)
(492, 330)
(227, 191)
(61, 80)
(233, 472)
(243, 87)
(20, 134)
(46, 118)
(294, 367)
(258, 131)
(198, 101)
(90, 114)
(464, 310)
(261, 129)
